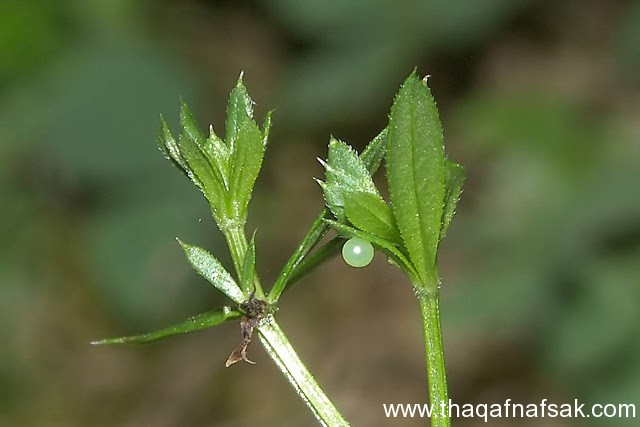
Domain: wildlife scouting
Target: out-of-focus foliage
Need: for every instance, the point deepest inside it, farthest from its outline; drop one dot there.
(629, 39)
(539, 100)
(558, 238)
(360, 48)
(30, 33)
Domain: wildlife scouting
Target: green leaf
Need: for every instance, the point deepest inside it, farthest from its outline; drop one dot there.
(195, 323)
(246, 161)
(416, 174)
(205, 175)
(192, 136)
(394, 253)
(345, 173)
(371, 214)
(266, 128)
(189, 126)
(169, 148)
(210, 268)
(249, 266)
(219, 155)
(454, 179)
(374, 151)
(205, 162)
(239, 109)
(246, 144)
(311, 261)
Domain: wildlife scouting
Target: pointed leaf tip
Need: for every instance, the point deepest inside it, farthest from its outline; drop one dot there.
(345, 172)
(210, 268)
(167, 144)
(239, 109)
(454, 181)
(374, 151)
(189, 124)
(194, 323)
(266, 128)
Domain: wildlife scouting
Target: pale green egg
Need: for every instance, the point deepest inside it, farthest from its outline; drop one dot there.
(357, 252)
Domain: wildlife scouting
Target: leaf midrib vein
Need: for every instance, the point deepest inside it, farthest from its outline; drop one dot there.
(414, 187)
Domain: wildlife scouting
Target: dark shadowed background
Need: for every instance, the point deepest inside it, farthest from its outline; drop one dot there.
(540, 101)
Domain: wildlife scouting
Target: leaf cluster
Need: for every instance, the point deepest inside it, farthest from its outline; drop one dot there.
(424, 187)
(224, 170)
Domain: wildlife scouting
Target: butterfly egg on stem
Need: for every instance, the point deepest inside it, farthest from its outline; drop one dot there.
(357, 252)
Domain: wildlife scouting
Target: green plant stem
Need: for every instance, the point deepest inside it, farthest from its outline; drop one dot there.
(322, 254)
(285, 357)
(276, 342)
(237, 242)
(436, 373)
(317, 231)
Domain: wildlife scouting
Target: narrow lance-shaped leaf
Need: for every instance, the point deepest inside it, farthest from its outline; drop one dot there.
(219, 154)
(416, 171)
(374, 152)
(266, 128)
(196, 148)
(190, 126)
(249, 266)
(169, 147)
(205, 175)
(246, 161)
(239, 108)
(371, 214)
(454, 179)
(345, 172)
(211, 269)
(194, 323)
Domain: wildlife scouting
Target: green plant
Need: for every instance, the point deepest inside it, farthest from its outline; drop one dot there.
(424, 188)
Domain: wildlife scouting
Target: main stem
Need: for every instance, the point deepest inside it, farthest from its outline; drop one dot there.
(436, 373)
(317, 231)
(280, 350)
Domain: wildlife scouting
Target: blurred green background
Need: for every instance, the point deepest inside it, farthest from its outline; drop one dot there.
(540, 101)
